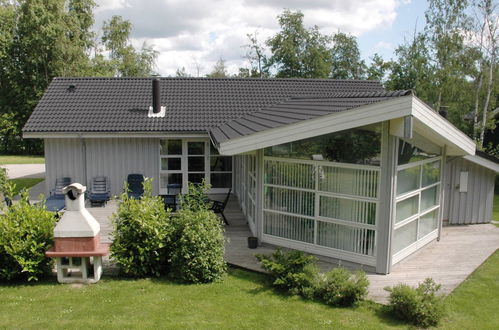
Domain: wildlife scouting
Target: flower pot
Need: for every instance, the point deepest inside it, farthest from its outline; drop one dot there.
(252, 242)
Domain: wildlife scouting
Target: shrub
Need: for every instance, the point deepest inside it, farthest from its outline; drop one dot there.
(197, 247)
(291, 271)
(142, 232)
(421, 306)
(196, 197)
(26, 233)
(339, 287)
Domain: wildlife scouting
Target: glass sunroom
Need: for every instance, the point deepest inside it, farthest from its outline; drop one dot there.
(368, 194)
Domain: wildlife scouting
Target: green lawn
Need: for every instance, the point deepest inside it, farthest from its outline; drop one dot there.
(243, 300)
(16, 159)
(25, 183)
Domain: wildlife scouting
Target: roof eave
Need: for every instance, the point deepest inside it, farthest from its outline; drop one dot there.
(443, 132)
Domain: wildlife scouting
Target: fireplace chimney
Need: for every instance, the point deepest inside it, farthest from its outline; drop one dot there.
(156, 96)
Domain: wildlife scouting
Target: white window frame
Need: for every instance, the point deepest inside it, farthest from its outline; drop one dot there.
(184, 165)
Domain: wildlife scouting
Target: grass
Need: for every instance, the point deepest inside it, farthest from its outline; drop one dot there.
(473, 305)
(20, 159)
(25, 183)
(243, 300)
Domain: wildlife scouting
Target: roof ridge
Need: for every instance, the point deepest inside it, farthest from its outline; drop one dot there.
(221, 79)
(395, 93)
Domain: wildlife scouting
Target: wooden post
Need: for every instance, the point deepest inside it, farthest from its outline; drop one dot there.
(385, 218)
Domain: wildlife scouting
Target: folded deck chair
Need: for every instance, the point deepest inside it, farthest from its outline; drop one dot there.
(55, 202)
(135, 185)
(219, 207)
(100, 191)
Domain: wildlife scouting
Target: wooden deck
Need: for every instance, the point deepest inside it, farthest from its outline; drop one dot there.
(449, 262)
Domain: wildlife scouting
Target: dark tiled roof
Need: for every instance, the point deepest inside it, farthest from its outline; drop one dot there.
(192, 104)
(297, 108)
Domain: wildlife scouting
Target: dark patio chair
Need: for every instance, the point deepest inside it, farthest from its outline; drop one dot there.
(170, 199)
(135, 185)
(100, 191)
(56, 202)
(219, 207)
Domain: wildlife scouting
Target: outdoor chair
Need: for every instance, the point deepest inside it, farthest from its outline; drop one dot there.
(135, 185)
(100, 191)
(219, 207)
(170, 199)
(55, 202)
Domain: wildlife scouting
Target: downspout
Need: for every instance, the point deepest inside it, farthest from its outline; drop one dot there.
(84, 157)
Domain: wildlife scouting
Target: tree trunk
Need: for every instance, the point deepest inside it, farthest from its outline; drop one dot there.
(487, 100)
(477, 96)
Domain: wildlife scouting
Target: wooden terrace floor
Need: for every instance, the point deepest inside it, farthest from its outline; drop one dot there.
(449, 262)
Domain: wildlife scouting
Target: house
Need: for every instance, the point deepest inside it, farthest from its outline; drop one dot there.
(340, 168)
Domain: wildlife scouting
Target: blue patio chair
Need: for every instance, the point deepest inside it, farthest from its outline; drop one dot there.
(135, 185)
(172, 192)
(55, 202)
(100, 191)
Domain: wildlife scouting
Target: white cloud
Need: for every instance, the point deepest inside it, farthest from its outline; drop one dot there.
(187, 30)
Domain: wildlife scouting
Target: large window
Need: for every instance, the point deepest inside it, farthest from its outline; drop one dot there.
(418, 198)
(186, 160)
(354, 146)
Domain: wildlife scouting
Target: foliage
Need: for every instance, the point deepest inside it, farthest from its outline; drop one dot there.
(43, 39)
(142, 232)
(24, 183)
(421, 306)
(125, 60)
(197, 246)
(345, 58)
(296, 273)
(26, 232)
(299, 52)
(291, 271)
(196, 197)
(3, 179)
(219, 70)
(339, 287)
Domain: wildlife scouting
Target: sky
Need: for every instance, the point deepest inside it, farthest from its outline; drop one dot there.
(194, 34)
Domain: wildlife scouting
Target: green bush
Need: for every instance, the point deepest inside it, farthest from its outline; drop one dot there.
(196, 197)
(297, 273)
(421, 306)
(197, 247)
(292, 271)
(142, 233)
(26, 233)
(339, 287)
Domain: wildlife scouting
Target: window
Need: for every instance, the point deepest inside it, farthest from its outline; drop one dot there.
(186, 160)
(418, 196)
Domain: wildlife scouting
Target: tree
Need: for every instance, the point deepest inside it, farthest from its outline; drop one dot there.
(43, 39)
(181, 72)
(219, 70)
(126, 61)
(298, 52)
(378, 68)
(345, 58)
(256, 57)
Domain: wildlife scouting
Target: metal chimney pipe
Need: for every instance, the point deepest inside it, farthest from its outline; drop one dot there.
(156, 96)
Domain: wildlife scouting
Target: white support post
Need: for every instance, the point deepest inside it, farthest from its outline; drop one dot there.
(443, 164)
(259, 194)
(384, 224)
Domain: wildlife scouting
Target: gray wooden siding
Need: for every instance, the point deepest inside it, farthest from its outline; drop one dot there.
(63, 157)
(475, 205)
(111, 157)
